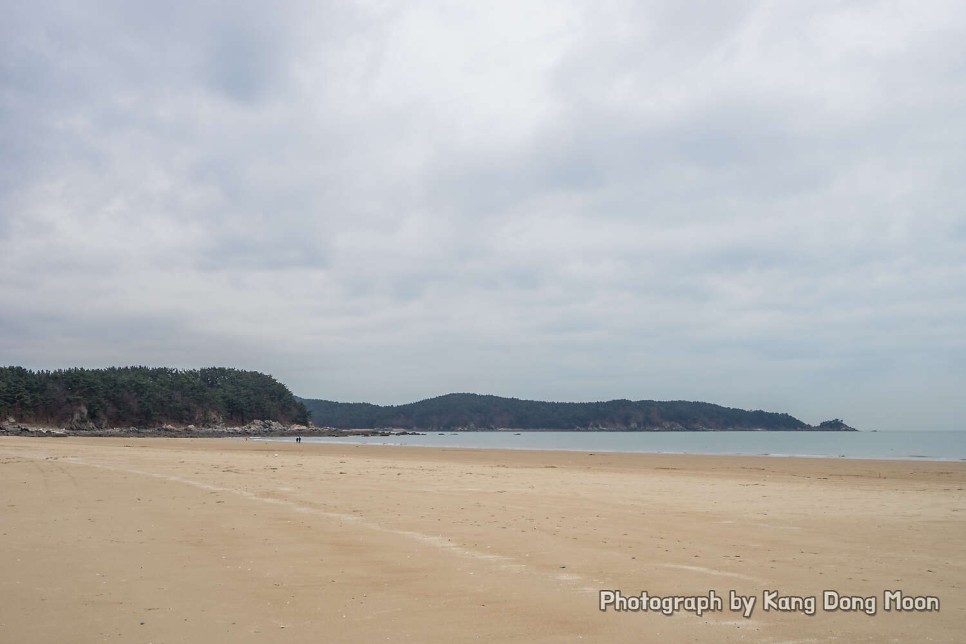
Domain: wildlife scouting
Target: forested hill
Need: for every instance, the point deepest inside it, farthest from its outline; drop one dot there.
(472, 411)
(144, 397)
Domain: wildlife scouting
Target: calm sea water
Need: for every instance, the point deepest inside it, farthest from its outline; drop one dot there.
(929, 445)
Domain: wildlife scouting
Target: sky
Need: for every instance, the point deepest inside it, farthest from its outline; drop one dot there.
(755, 204)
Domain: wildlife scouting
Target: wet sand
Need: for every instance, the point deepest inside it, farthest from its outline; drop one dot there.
(191, 540)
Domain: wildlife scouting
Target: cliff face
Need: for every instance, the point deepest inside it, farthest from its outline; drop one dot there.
(91, 399)
(472, 411)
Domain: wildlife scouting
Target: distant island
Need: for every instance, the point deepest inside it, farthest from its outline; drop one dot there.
(474, 412)
(223, 401)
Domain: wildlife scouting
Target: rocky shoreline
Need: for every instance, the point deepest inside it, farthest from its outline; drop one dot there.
(271, 428)
(256, 428)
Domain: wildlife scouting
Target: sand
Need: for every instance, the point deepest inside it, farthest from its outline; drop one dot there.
(195, 540)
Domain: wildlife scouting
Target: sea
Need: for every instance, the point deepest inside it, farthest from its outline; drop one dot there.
(880, 445)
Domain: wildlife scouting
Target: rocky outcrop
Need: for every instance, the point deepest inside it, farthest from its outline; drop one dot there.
(80, 421)
(10, 427)
(834, 425)
(254, 429)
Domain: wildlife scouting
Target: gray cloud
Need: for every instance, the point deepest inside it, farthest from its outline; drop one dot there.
(747, 203)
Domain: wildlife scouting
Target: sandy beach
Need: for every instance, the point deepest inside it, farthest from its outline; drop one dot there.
(195, 540)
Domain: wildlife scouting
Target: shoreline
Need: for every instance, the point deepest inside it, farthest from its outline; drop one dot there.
(911, 459)
(159, 539)
(351, 440)
(274, 433)
(272, 428)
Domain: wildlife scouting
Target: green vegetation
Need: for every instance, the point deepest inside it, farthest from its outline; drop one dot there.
(835, 425)
(472, 411)
(144, 397)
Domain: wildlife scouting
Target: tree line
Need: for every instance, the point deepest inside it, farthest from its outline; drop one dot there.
(145, 397)
(473, 411)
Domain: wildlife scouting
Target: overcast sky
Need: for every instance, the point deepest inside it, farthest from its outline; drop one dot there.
(756, 204)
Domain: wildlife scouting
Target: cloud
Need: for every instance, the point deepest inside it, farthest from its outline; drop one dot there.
(747, 203)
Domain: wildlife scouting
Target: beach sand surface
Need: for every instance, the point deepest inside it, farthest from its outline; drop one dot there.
(195, 540)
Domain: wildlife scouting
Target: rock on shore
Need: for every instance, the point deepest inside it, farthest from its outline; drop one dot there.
(10, 427)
